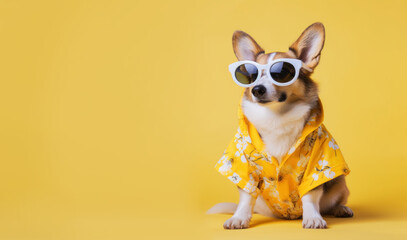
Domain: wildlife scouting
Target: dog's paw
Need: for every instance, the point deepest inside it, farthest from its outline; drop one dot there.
(315, 222)
(236, 223)
(342, 212)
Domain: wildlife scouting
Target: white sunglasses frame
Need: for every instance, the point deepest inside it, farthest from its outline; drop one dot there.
(298, 64)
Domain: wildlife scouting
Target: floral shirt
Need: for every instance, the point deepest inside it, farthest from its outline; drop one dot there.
(313, 160)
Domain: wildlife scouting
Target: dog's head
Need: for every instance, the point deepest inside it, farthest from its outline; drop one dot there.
(307, 48)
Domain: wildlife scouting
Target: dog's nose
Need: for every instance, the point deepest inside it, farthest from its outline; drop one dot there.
(259, 91)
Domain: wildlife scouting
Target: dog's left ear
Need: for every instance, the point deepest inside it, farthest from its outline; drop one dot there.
(245, 47)
(309, 45)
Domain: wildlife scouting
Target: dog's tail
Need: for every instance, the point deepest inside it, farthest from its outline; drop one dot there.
(225, 207)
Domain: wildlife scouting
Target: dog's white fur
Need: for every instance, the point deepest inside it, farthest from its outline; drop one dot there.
(243, 214)
(311, 216)
(278, 131)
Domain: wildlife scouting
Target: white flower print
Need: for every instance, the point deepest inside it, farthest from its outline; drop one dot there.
(329, 174)
(241, 140)
(332, 144)
(247, 139)
(292, 149)
(244, 137)
(323, 167)
(323, 163)
(224, 157)
(243, 158)
(264, 157)
(255, 156)
(241, 145)
(250, 185)
(235, 178)
(237, 154)
(226, 166)
(303, 160)
(238, 134)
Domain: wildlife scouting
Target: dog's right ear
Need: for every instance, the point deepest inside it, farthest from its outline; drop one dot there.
(309, 45)
(245, 47)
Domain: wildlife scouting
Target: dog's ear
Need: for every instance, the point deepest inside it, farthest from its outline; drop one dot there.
(245, 47)
(309, 45)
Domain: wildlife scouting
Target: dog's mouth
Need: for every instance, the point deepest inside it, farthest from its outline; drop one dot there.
(281, 98)
(263, 101)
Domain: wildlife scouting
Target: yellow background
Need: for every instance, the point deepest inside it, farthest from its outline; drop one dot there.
(113, 114)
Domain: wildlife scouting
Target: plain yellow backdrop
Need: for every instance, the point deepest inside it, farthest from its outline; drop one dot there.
(113, 114)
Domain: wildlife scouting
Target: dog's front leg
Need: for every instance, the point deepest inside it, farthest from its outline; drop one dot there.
(311, 217)
(241, 218)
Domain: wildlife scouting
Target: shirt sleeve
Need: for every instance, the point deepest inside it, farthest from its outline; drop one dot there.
(326, 162)
(235, 164)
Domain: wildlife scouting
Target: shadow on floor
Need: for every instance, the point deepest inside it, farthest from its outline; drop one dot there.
(261, 220)
(361, 214)
(367, 214)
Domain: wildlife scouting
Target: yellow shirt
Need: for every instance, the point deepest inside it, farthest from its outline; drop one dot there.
(313, 160)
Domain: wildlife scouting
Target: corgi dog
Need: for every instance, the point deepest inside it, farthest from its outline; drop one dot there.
(280, 111)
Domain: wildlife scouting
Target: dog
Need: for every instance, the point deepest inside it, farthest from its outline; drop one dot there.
(283, 160)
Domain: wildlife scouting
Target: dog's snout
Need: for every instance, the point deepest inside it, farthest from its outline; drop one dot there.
(259, 91)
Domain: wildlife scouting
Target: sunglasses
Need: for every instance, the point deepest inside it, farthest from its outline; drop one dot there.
(282, 72)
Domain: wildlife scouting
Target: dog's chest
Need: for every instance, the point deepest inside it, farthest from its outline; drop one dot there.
(278, 131)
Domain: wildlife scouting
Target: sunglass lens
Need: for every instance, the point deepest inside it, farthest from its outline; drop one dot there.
(282, 72)
(246, 73)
